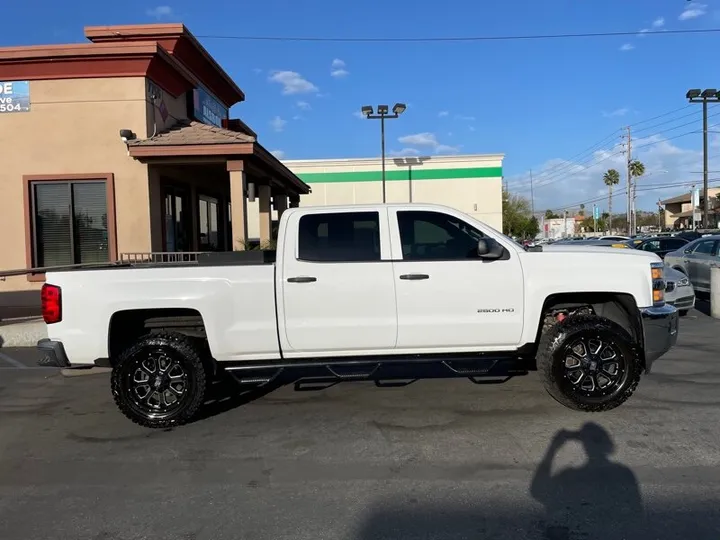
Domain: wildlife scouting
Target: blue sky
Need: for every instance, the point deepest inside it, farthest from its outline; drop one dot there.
(539, 101)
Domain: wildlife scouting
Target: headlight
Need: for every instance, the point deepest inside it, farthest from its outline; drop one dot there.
(684, 282)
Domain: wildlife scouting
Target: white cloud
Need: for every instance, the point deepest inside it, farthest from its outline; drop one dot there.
(419, 139)
(693, 11)
(642, 32)
(465, 118)
(339, 73)
(303, 105)
(446, 149)
(627, 47)
(443, 114)
(617, 112)
(404, 152)
(561, 183)
(280, 154)
(298, 117)
(358, 114)
(292, 82)
(278, 124)
(659, 22)
(160, 12)
(337, 63)
(428, 141)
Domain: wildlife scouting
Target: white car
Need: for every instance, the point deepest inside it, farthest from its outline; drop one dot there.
(679, 292)
(365, 292)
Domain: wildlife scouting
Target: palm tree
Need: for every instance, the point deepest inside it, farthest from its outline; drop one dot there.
(636, 169)
(611, 178)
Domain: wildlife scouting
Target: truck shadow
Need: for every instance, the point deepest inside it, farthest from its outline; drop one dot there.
(226, 393)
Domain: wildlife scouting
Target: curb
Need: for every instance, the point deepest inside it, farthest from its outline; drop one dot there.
(22, 334)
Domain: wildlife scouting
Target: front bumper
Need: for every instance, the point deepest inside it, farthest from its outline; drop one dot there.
(53, 354)
(686, 302)
(660, 331)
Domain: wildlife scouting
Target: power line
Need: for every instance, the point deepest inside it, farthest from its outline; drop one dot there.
(660, 115)
(517, 37)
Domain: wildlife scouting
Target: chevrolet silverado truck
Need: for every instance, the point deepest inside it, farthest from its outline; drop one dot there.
(373, 292)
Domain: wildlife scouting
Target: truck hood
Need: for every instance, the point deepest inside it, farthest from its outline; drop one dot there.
(626, 252)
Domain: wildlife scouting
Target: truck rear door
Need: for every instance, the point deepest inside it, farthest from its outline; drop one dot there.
(335, 284)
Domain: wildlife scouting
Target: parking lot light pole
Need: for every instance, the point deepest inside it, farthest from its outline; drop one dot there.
(382, 114)
(709, 95)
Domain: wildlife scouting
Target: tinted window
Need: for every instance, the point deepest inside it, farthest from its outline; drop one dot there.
(704, 247)
(436, 236)
(671, 244)
(344, 236)
(651, 245)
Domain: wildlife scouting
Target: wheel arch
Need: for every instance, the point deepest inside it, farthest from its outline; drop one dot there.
(620, 308)
(127, 326)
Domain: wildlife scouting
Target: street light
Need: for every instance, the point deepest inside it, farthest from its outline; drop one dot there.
(709, 95)
(382, 114)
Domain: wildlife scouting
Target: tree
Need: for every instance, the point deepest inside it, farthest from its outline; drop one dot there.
(517, 216)
(611, 178)
(549, 214)
(637, 169)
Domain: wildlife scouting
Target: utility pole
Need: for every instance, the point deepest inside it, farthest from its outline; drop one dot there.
(629, 210)
(532, 196)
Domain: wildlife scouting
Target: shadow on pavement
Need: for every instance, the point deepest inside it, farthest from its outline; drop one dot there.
(598, 500)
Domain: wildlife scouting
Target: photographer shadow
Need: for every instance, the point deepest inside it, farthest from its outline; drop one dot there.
(600, 495)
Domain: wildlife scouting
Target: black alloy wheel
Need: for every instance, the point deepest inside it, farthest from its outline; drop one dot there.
(159, 381)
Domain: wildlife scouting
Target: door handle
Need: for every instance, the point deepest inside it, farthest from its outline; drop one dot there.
(414, 277)
(301, 279)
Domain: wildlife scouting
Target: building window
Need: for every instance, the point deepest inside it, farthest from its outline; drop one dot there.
(340, 237)
(208, 215)
(69, 222)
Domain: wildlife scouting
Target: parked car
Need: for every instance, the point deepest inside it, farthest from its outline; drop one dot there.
(365, 292)
(660, 245)
(695, 260)
(679, 292)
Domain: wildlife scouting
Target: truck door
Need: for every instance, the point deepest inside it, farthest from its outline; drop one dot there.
(447, 297)
(336, 284)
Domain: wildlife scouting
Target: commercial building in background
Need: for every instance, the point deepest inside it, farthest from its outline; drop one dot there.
(469, 183)
(123, 148)
(682, 212)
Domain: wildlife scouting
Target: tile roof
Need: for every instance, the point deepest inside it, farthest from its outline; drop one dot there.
(191, 132)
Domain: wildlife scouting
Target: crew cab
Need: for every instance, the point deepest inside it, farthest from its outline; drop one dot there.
(365, 292)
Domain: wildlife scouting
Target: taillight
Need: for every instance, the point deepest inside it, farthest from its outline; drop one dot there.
(51, 302)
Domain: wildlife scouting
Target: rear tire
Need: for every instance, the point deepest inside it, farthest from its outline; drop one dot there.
(683, 312)
(589, 363)
(160, 381)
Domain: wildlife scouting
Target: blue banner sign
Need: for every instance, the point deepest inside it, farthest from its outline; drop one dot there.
(14, 96)
(207, 108)
(596, 212)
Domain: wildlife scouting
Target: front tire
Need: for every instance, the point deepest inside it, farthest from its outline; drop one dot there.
(589, 363)
(160, 381)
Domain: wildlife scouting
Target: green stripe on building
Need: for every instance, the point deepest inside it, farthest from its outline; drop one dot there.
(402, 174)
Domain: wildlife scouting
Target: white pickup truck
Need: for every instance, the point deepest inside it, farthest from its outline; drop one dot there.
(365, 292)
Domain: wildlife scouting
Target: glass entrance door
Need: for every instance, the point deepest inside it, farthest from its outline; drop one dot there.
(177, 220)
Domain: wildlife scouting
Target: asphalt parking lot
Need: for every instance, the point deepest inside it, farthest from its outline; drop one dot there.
(442, 459)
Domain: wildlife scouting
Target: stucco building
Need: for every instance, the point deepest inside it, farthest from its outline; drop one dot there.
(122, 147)
(679, 209)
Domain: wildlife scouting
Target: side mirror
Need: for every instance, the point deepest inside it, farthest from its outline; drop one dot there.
(489, 249)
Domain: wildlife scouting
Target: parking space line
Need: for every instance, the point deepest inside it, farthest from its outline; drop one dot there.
(13, 362)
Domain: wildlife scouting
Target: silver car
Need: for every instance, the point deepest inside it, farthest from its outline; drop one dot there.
(679, 292)
(695, 260)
